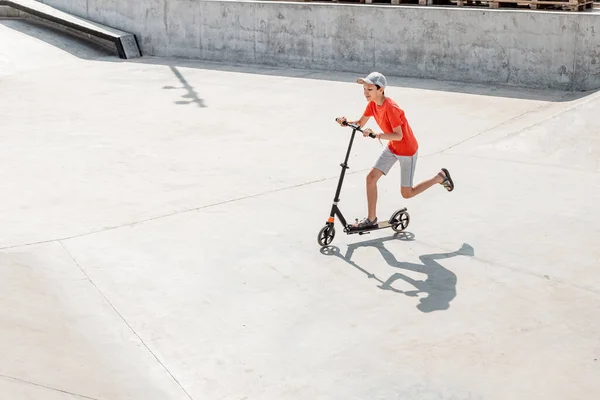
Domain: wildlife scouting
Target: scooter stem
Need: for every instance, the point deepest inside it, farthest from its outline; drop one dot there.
(344, 166)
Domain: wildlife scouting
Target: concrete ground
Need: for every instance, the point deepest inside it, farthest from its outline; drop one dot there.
(159, 235)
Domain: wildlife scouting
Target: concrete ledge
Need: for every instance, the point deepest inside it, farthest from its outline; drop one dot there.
(8, 12)
(524, 48)
(126, 43)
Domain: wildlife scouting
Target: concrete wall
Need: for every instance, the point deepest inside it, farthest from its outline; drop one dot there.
(524, 48)
(8, 12)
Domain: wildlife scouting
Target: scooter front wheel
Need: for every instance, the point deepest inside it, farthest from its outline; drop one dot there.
(400, 221)
(326, 235)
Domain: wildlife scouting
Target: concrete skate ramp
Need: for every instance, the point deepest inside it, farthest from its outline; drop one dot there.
(159, 224)
(124, 42)
(539, 49)
(31, 45)
(567, 139)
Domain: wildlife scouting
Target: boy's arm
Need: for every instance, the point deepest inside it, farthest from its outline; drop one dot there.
(361, 122)
(396, 135)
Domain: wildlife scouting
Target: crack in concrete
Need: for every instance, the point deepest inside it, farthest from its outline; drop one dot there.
(172, 214)
(124, 320)
(537, 275)
(46, 387)
(541, 107)
(528, 163)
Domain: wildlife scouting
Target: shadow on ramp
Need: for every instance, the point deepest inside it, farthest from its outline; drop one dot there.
(76, 45)
(70, 42)
(491, 90)
(191, 92)
(439, 286)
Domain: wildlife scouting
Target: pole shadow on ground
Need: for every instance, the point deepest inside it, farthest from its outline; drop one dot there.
(191, 92)
(439, 285)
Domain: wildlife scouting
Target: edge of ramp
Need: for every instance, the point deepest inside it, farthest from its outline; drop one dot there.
(126, 43)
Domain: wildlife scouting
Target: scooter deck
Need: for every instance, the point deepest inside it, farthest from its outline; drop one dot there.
(379, 225)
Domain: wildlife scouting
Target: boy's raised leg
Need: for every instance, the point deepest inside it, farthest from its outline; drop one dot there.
(441, 177)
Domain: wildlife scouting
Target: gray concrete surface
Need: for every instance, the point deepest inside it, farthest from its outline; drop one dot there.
(525, 48)
(8, 12)
(159, 223)
(124, 42)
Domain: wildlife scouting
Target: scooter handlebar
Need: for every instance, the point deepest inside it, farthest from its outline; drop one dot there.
(356, 128)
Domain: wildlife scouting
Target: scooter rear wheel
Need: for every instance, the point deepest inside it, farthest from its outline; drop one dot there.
(326, 235)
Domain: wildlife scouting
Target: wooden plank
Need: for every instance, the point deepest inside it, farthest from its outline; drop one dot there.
(571, 5)
(394, 2)
(471, 3)
(533, 4)
(435, 2)
(331, 1)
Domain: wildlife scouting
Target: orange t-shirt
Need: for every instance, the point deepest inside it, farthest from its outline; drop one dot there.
(388, 116)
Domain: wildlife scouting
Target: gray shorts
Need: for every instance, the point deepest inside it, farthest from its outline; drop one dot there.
(387, 159)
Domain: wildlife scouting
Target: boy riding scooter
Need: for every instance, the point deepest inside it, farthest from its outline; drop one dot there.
(402, 146)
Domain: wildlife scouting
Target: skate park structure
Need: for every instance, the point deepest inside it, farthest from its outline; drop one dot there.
(125, 43)
(541, 49)
(160, 213)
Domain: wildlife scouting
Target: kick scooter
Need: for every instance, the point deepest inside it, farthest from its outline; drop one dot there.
(398, 221)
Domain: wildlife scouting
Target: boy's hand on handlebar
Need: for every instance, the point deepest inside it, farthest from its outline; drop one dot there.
(341, 120)
(367, 132)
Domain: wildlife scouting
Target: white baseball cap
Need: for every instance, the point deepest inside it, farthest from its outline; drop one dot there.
(374, 78)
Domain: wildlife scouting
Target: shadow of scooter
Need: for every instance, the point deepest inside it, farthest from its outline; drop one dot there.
(440, 284)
